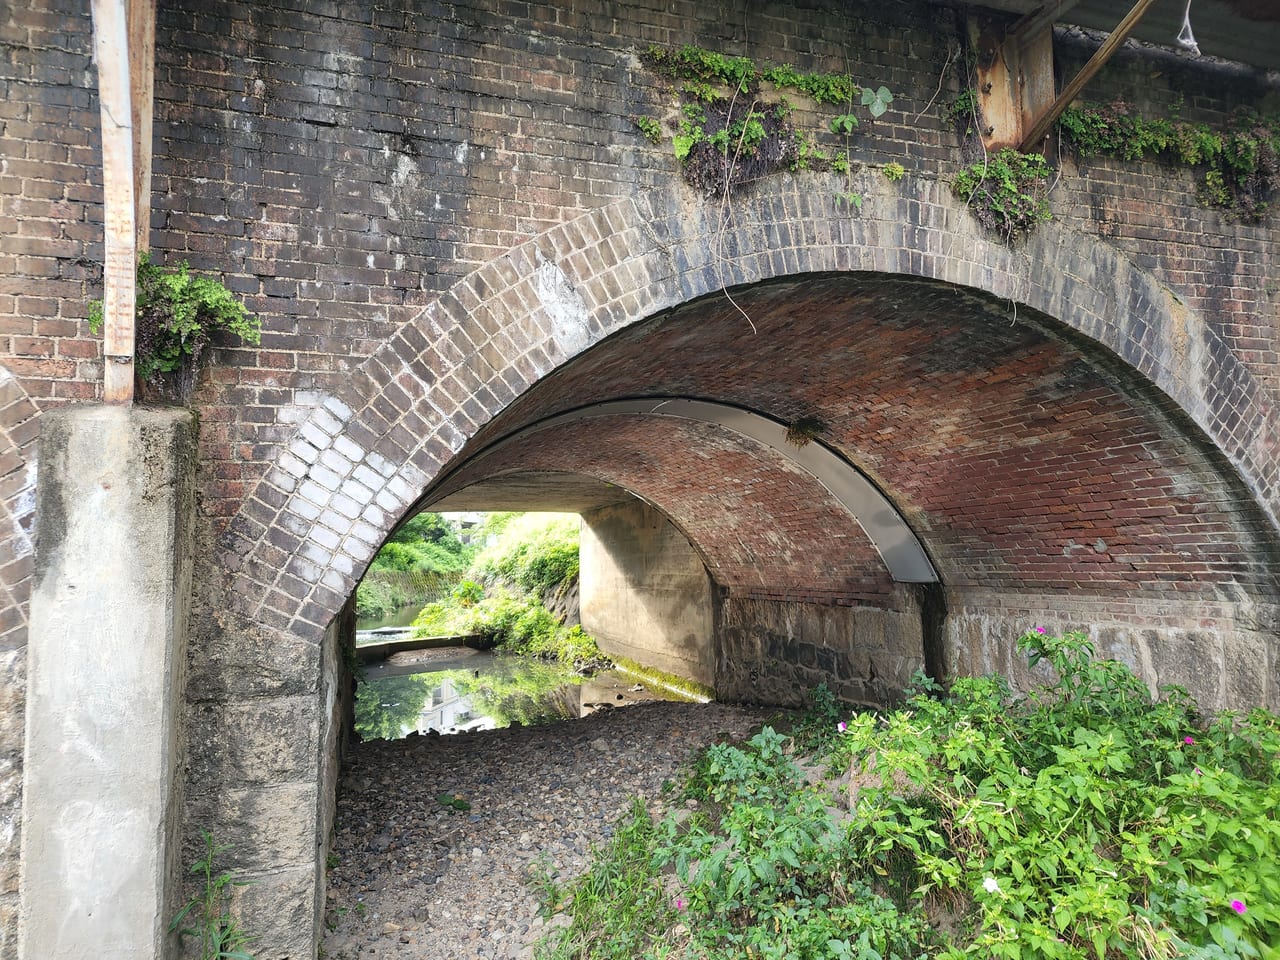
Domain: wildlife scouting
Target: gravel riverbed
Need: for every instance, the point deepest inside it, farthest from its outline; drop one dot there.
(413, 877)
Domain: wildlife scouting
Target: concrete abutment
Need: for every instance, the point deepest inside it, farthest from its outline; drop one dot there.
(106, 662)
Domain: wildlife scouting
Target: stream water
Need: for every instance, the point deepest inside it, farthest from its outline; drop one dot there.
(457, 689)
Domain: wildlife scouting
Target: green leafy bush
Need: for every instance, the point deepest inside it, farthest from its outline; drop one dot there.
(176, 312)
(1006, 192)
(535, 552)
(421, 562)
(730, 135)
(1239, 164)
(1087, 820)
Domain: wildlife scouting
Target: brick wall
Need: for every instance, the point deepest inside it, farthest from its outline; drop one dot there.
(433, 209)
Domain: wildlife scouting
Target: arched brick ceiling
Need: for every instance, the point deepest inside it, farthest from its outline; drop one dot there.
(1020, 461)
(764, 527)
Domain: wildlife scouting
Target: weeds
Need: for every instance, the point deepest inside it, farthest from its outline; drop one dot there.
(207, 916)
(1087, 819)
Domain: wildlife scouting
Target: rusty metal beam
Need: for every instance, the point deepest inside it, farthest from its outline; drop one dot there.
(1040, 129)
(1014, 78)
(111, 52)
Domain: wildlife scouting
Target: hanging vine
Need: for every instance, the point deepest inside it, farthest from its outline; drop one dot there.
(729, 131)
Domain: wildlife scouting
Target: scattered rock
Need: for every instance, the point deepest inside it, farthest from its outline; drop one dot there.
(546, 800)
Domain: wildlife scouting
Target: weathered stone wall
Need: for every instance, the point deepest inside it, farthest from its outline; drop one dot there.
(645, 593)
(1224, 654)
(777, 651)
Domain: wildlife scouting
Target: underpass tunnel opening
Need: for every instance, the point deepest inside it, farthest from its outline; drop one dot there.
(714, 554)
(1042, 481)
(445, 600)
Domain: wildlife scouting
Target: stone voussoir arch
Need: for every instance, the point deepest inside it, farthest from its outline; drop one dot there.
(19, 433)
(366, 454)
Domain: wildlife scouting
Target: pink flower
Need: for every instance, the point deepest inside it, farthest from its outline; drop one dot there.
(1197, 771)
(1041, 630)
(842, 726)
(1238, 906)
(1188, 740)
(680, 903)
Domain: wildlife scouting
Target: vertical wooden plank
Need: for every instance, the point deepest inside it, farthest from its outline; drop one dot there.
(1040, 130)
(111, 51)
(142, 69)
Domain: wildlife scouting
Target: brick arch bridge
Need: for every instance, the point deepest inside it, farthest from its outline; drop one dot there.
(463, 372)
(1070, 444)
(466, 257)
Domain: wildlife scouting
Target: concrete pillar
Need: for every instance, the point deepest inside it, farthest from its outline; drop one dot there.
(109, 609)
(645, 593)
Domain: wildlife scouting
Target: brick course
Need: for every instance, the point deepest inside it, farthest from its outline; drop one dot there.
(434, 212)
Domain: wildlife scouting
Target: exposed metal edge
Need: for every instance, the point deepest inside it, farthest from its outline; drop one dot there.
(888, 531)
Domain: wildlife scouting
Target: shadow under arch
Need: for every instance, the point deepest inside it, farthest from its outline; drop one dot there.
(369, 452)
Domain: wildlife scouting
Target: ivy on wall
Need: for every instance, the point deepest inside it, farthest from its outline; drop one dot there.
(729, 125)
(1238, 167)
(727, 132)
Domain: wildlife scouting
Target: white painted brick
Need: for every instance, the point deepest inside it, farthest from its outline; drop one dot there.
(335, 521)
(315, 436)
(317, 554)
(399, 487)
(357, 492)
(327, 422)
(314, 492)
(368, 477)
(325, 537)
(304, 451)
(348, 448)
(366, 532)
(281, 480)
(326, 477)
(304, 508)
(291, 465)
(338, 408)
(295, 525)
(380, 463)
(389, 503)
(336, 462)
(374, 515)
(345, 506)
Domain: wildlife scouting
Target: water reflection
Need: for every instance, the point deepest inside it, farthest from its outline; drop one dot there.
(482, 692)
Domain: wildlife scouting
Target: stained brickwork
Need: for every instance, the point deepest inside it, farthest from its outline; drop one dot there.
(436, 208)
(764, 527)
(623, 264)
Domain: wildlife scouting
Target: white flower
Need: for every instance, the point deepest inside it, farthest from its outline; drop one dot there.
(991, 885)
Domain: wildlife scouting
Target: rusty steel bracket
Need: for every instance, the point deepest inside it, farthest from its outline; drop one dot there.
(1014, 76)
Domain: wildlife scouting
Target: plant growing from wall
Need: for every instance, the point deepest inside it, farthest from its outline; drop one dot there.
(802, 431)
(727, 134)
(176, 313)
(207, 916)
(1006, 192)
(1239, 166)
